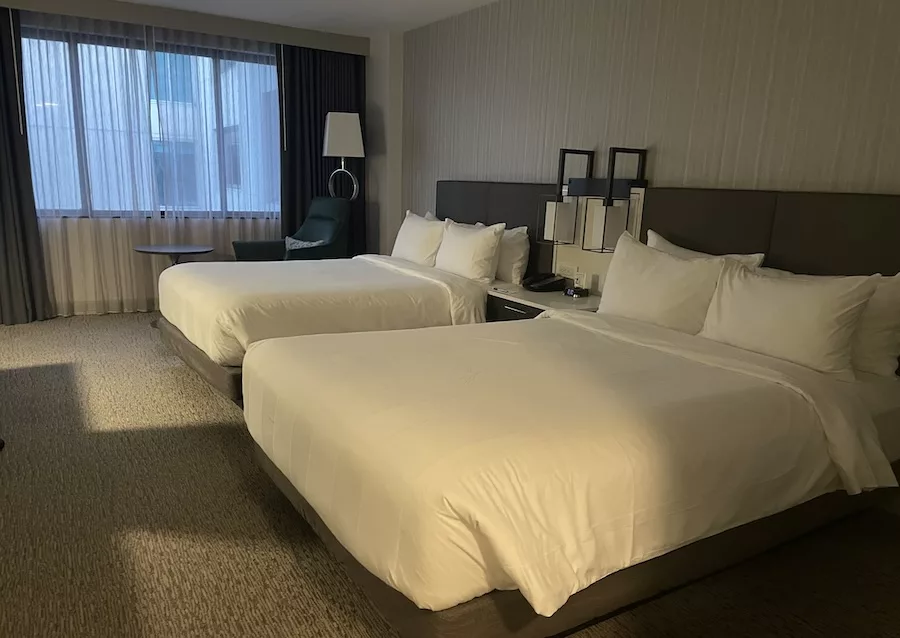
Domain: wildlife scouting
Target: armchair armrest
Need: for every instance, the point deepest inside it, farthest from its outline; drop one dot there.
(272, 250)
(326, 251)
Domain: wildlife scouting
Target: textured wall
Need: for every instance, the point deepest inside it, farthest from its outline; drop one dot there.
(790, 94)
(384, 140)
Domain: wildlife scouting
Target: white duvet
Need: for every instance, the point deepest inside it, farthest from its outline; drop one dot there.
(223, 307)
(544, 455)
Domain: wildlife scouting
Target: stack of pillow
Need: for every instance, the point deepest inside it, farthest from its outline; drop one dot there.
(836, 325)
(478, 252)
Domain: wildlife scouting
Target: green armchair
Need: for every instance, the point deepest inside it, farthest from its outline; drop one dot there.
(327, 221)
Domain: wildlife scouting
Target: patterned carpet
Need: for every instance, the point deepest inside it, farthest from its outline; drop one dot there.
(130, 506)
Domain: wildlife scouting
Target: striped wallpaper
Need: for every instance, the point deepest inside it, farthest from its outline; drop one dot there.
(789, 94)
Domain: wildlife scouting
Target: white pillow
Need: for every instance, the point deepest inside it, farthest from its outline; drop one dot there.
(296, 244)
(649, 285)
(469, 251)
(418, 240)
(512, 257)
(511, 260)
(876, 344)
(807, 321)
(655, 240)
(432, 217)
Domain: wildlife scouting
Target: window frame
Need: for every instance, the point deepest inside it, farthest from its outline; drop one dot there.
(73, 39)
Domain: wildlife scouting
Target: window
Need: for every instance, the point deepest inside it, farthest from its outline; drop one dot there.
(175, 172)
(232, 144)
(118, 130)
(49, 111)
(271, 129)
(172, 80)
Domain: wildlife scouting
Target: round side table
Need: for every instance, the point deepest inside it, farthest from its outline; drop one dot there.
(175, 252)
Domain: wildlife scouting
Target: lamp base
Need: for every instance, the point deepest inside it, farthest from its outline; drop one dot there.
(338, 171)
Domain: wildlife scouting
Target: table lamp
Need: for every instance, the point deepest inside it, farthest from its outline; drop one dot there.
(343, 138)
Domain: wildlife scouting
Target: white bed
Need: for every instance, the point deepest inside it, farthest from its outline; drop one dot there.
(224, 307)
(660, 439)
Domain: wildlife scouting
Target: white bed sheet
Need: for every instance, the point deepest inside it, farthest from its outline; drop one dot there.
(881, 397)
(449, 463)
(223, 307)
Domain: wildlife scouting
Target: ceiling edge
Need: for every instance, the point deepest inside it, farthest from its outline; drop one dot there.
(165, 17)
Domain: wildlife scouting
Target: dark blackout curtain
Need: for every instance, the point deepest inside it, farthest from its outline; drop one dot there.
(312, 83)
(23, 282)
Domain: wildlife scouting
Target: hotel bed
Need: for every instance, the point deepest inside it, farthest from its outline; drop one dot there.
(212, 311)
(223, 307)
(526, 477)
(445, 499)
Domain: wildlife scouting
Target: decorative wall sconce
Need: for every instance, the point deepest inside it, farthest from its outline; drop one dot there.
(564, 154)
(560, 216)
(607, 202)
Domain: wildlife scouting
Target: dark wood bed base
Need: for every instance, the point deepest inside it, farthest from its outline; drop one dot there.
(226, 379)
(506, 614)
(810, 233)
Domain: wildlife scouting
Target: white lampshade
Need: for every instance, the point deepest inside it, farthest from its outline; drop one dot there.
(607, 223)
(559, 222)
(343, 136)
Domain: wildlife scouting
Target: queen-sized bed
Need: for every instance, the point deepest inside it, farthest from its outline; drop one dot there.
(524, 478)
(464, 472)
(224, 307)
(212, 312)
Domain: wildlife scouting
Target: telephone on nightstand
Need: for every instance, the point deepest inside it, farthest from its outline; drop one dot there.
(545, 282)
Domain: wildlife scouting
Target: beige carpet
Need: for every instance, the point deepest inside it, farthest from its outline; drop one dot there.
(130, 506)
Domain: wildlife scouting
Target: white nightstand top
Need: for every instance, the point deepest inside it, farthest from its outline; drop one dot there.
(544, 300)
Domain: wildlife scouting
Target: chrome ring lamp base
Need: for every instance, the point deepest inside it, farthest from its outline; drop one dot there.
(337, 171)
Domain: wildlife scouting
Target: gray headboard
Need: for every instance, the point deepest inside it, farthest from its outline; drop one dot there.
(516, 204)
(807, 233)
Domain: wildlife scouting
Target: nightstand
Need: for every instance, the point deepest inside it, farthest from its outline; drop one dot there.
(507, 302)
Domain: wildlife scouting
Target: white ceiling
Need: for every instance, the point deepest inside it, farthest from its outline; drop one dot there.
(358, 17)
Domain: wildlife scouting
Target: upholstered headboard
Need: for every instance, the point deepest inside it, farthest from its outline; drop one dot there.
(516, 204)
(807, 233)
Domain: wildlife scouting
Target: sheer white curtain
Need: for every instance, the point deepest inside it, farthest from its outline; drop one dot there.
(144, 136)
